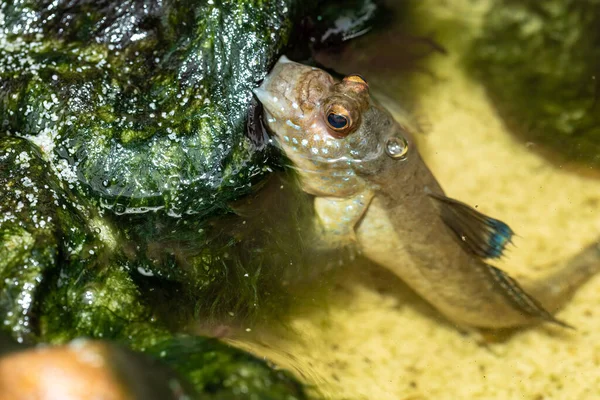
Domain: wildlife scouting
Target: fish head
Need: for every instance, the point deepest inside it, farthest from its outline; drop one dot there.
(336, 136)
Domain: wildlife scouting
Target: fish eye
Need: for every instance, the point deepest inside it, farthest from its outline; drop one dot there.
(338, 120)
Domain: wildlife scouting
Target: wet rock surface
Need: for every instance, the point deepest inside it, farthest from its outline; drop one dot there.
(122, 151)
(142, 103)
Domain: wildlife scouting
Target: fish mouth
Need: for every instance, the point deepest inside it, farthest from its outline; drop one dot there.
(284, 60)
(275, 90)
(264, 93)
(265, 97)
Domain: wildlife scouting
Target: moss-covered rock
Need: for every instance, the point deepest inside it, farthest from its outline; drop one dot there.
(540, 61)
(123, 159)
(61, 275)
(138, 112)
(145, 101)
(29, 246)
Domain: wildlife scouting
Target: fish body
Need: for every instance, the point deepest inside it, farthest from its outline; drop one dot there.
(372, 189)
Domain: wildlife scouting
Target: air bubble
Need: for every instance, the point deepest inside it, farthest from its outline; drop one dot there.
(397, 148)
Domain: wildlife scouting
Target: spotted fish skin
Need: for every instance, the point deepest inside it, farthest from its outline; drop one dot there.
(372, 189)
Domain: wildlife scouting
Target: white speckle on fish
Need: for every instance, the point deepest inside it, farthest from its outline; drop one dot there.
(291, 124)
(304, 142)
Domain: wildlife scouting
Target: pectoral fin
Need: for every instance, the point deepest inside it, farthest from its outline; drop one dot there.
(481, 235)
(337, 218)
(520, 298)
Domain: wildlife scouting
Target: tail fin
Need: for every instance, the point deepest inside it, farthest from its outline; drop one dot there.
(554, 288)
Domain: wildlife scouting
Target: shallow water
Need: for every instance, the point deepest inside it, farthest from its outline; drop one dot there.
(371, 337)
(357, 331)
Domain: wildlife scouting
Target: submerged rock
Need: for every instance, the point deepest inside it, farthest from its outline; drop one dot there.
(540, 62)
(61, 273)
(123, 159)
(122, 133)
(144, 102)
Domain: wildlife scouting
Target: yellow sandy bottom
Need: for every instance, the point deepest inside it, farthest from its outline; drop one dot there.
(376, 339)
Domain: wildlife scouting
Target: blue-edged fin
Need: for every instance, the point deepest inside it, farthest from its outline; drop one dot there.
(521, 299)
(481, 235)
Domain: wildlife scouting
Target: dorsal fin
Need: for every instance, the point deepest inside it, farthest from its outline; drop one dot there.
(521, 299)
(481, 235)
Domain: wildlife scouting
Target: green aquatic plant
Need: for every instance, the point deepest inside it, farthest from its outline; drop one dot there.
(540, 62)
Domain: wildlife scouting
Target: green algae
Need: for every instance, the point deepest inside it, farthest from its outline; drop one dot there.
(60, 275)
(27, 224)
